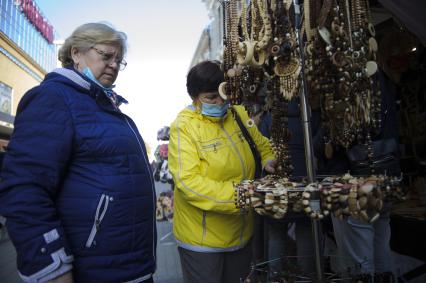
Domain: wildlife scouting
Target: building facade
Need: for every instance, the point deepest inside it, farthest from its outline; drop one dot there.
(210, 45)
(27, 53)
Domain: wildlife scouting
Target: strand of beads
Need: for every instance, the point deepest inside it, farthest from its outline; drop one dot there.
(326, 200)
(350, 47)
(312, 206)
(320, 72)
(268, 196)
(232, 72)
(242, 195)
(284, 51)
(280, 134)
(340, 196)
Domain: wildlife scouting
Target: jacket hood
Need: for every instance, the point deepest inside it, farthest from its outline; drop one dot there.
(72, 78)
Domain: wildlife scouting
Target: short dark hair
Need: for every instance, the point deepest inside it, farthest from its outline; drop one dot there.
(204, 77)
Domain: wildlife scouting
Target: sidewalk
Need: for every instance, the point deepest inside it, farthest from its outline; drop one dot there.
(168, 262)
(8, 272)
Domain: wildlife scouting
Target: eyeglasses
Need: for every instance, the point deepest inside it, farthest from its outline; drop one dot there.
(108, 58)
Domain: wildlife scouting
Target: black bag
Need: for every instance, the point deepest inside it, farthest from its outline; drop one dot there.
(252, 144)
(385, 158)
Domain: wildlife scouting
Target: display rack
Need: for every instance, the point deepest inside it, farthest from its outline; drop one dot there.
(307, 134)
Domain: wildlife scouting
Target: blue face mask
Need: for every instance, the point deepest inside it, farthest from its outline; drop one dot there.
(88, 73)
(214, 110)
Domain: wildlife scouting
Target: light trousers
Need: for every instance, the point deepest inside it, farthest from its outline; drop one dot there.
(363, 247)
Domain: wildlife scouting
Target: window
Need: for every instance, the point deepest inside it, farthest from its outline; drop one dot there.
(5, 98)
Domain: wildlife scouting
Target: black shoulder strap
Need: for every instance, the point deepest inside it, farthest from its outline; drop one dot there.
(252, 144)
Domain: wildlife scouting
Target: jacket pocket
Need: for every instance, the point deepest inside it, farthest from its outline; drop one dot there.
(211, 146)
(99, 216)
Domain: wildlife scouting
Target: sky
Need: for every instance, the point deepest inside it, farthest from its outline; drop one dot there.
(162, 39)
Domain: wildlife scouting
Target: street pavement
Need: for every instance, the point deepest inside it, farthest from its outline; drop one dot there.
(8, 271)
(168, 263)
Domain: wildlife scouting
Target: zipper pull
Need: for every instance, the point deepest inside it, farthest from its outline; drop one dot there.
(241, 137)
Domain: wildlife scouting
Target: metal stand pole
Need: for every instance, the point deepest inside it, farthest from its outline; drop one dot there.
(306, 114)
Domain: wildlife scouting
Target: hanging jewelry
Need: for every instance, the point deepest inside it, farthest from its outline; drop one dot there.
(231, 70)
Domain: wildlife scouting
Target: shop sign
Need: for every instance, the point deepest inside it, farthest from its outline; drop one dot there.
(5, 98)
(31, 11)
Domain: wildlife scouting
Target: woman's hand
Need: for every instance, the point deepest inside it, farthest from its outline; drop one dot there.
(64, 278)
(270, 166)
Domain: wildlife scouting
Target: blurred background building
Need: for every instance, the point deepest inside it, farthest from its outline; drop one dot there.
(27, 53)
(210, 45)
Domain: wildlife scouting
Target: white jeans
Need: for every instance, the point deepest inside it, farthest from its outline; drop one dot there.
(363, 247)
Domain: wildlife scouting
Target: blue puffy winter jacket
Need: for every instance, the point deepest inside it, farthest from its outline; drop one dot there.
(76, 186)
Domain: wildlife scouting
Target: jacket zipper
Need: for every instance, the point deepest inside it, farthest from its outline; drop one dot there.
(99, 216)
(117, 110)
(152, 182)
(214, 146)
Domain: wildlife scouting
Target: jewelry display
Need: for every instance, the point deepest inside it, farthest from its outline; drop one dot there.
(267, 196)
(262, 52)
(252, 48)
(231, 70)
(341, 52)
(333, 58)
(359, 197)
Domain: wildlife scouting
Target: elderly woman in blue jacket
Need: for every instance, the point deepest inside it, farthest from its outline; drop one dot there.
(76, 186)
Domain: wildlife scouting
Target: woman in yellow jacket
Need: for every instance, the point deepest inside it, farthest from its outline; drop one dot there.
(207, 155)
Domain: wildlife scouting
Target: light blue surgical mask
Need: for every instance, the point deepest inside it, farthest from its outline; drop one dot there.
(88, 73)
(107, 90)
(214, 110)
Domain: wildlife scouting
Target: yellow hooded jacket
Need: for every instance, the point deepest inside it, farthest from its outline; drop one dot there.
(206, 157)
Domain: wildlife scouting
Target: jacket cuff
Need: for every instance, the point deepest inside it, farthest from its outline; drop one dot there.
(43, 255)
(61, 264)
(64, 268)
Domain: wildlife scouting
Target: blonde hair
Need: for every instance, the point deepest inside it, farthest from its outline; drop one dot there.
(88, 35)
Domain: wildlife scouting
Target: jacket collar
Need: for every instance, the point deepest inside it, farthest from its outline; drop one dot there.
(77, 78)
(197, 112)
(74, 76)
